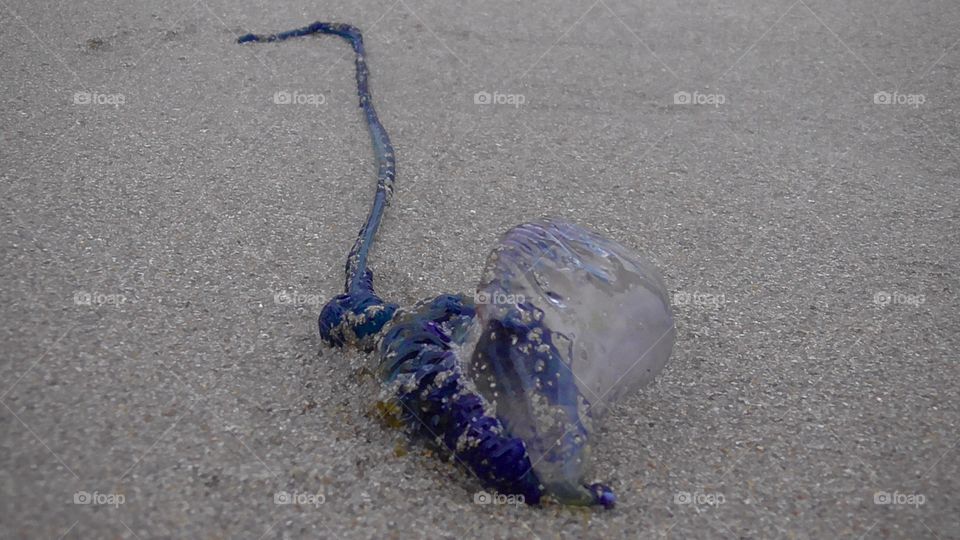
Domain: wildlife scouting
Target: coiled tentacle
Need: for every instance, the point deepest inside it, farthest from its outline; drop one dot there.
(419, 361)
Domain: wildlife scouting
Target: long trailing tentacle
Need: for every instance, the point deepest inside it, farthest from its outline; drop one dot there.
(356, 267)
(359, 313)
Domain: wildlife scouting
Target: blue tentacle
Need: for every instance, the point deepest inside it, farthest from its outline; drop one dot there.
(358, 314)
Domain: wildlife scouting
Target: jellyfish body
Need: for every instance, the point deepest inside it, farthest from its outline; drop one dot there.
(569, 322)
(513, 381)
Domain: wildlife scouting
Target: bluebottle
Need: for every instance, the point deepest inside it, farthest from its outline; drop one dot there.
(513, 380)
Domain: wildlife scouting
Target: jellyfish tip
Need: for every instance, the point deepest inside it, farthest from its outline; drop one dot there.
(603, 495)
